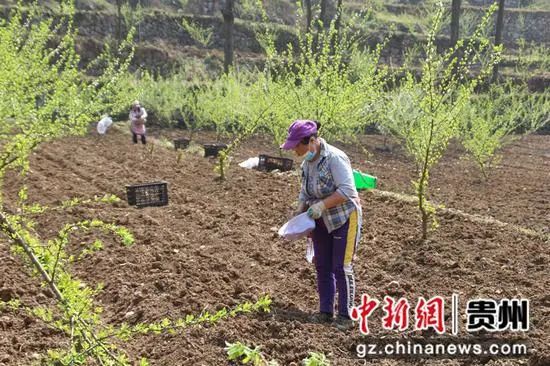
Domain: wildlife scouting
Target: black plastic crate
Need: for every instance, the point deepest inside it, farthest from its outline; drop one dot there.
(182, 143)
(147, 194)
(213, 149)
(268, 163)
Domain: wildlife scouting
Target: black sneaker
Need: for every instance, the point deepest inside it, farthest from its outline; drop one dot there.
(321, 318)
(343, 323)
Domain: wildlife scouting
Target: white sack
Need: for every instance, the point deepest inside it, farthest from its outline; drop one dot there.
(297, 227)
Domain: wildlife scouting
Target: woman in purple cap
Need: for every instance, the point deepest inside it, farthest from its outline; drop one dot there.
(329, 196)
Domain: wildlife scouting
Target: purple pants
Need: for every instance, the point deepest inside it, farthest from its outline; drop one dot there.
(333, 256)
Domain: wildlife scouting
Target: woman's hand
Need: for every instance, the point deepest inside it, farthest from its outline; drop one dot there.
(316, 210)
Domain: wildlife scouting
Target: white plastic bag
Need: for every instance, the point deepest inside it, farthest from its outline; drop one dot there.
(251, 163)
(297, 227)
(310, 251)
(104, 124)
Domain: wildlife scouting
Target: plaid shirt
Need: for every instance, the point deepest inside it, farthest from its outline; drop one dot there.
(318, 182)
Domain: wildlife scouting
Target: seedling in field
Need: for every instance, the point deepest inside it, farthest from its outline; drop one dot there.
(125, 332)
(244, 354)
(316, 359)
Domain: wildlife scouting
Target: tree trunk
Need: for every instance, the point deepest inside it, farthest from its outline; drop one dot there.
(141, 19)
(307, 4)
(335, 39)
(455, 22)
(211, 7)
(338, 21)
(228, 21)
(322, 24)
(323, 16)
(119, 22)
(498, 33)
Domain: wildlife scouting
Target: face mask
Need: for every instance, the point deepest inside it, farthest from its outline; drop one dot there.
(310, 155)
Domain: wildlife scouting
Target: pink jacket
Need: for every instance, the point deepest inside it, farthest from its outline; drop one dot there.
(137, 121)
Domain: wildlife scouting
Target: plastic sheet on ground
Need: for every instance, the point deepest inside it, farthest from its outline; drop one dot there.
(251, 163)
(104, 124)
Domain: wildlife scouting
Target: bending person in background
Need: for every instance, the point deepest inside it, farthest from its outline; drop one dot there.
(138, 116)
(329, 196)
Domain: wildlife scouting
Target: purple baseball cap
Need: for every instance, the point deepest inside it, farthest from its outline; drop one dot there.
(297, 131)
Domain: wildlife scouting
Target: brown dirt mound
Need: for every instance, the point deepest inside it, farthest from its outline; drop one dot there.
(215, 245)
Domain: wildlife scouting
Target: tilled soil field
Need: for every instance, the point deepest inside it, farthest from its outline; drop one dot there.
(215, 245)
